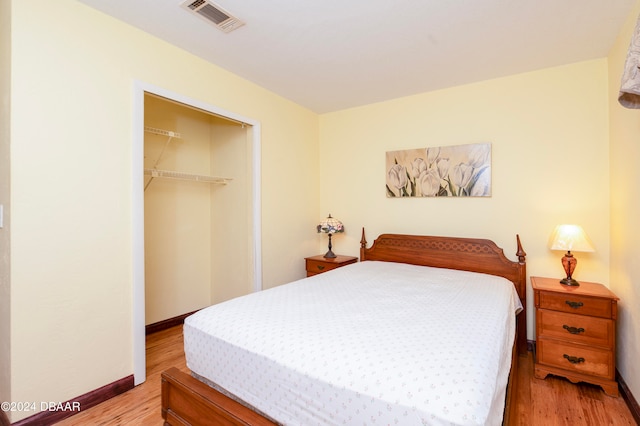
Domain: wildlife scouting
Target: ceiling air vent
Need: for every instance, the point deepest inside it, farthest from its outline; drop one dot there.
(213, 14)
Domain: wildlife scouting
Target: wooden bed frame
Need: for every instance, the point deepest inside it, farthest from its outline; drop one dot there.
(188, 401)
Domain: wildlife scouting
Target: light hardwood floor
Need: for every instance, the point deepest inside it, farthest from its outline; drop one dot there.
(550, 402)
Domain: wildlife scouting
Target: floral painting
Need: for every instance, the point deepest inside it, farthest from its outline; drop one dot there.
(448, 171)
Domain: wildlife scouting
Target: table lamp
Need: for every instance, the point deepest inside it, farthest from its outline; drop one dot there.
(570, 238)
(330, 226)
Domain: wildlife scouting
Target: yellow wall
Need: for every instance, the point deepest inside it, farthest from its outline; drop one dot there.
(550, 164)
(71, 270)
(5, 118)
(625, 211)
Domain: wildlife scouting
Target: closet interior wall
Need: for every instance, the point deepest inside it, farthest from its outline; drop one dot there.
(197, 233)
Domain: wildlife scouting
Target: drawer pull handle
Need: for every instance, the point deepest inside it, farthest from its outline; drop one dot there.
(573, 359)
(573, 330)
(574, 305)
(321, 267)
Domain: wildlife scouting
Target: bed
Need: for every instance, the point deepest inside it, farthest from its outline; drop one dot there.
(395, 367)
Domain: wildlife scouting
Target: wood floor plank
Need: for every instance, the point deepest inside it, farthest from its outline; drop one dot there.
(551, 402)
(555, 401)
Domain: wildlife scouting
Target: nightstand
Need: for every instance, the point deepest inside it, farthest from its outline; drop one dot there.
(319, 264)
(576, 332)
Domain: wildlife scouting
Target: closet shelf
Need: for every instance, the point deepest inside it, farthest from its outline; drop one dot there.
(186, 176)
(168, 133)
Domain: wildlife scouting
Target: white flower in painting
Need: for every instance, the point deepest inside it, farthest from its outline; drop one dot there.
(478, 155)
(432, 154)
(397, 176)
(429, 183)
(417, 167)
(482, 185)
(443, 167)
(462, 175)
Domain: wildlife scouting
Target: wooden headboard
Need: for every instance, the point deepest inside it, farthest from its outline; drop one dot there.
(467, 254)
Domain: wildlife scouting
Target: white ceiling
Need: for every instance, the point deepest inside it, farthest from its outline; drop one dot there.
(335, 54)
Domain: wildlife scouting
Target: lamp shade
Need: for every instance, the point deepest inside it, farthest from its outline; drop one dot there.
(330, 225)
(570, 238)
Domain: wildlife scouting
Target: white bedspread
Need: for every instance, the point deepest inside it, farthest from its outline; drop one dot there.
(372, 343)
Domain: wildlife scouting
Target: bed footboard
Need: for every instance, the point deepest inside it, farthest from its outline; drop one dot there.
(187, 401)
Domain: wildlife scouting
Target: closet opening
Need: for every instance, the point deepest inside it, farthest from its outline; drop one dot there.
(199, 196)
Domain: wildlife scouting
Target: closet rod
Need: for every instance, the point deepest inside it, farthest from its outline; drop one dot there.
(186, 176)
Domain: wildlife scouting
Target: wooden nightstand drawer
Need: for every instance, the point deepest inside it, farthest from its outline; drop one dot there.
(319, 264)
(576, 328)
(575, 304)
(578, 358)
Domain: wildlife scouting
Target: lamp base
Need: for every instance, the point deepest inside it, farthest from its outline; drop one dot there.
(569, 264)
(329, 255)
(569, 281)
